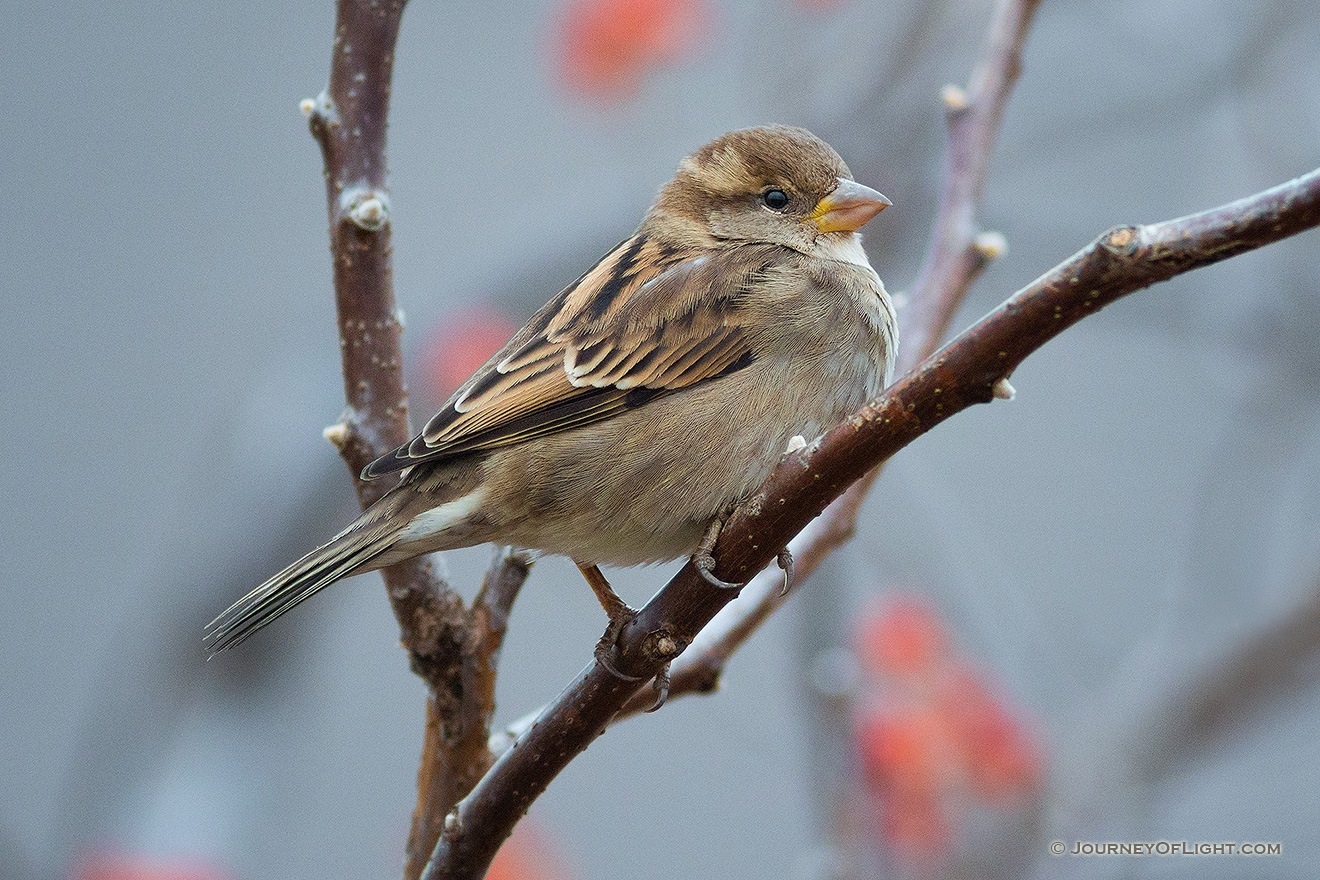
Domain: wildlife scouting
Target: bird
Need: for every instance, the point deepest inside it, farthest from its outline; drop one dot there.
(648, 398)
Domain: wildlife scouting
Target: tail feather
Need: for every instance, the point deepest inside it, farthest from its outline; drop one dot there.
(349, 553)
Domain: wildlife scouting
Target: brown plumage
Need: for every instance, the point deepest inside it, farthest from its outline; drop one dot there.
(652, 392)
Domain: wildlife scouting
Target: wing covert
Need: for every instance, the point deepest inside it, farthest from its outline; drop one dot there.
(649, 319)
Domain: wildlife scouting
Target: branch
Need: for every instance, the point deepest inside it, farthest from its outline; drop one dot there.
(967, 371)
(452, 649)
(1260, 671)
(698, 669)
(958, 251)
(348, 120)
(957, 254)
(451, 764)
(1179, 717)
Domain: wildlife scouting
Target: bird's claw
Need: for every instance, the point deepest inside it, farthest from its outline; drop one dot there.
(661, 685)
(705, 564)
(608, 645)
(785, 560)
(620, 615)
(705, 561)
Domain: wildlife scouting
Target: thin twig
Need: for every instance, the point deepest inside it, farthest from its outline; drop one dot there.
(974, 368)
(1269, 667)
(958, 251)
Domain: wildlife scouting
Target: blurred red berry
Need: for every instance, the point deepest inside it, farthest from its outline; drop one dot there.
(456, 346)
(900, 637)
(932, 739)
(527, 855)
(113, 865)
(907, 751)
(1003, 760)
(605, 48)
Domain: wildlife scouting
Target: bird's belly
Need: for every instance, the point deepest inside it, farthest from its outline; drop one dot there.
(640, 498)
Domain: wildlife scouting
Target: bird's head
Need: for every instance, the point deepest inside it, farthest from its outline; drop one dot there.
(773, 184)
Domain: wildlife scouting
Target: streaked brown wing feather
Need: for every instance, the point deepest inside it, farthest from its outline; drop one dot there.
(648, 319)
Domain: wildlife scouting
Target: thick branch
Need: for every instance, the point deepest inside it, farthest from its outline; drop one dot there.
(453, 760)
(698, 669)
(961, 374)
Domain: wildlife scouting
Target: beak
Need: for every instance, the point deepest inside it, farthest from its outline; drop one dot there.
(847, 208)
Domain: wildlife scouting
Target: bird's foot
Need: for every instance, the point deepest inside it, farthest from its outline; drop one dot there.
(619, 613)
(608, 646)
(705, 561)
(785, 560)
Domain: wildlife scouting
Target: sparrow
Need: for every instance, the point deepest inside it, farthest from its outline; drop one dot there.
(649, 397)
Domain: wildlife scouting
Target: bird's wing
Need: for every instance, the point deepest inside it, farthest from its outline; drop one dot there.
(647, 320)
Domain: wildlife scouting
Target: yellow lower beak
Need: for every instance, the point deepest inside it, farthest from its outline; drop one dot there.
(847, 208)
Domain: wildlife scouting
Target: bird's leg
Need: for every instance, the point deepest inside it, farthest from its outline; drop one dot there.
(616, 610)
(785, 560)
(620, 614)
(704, 561)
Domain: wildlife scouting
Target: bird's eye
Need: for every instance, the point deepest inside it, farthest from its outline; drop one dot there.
(775, 199)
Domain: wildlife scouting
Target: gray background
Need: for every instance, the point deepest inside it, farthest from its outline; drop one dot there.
(1147, 504)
